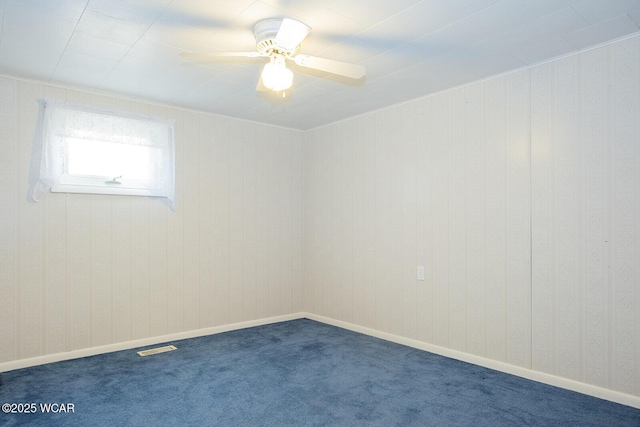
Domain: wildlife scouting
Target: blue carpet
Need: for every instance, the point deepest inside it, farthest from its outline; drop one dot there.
(294, 373)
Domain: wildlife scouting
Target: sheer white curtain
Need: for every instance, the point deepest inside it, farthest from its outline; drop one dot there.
(60, 123)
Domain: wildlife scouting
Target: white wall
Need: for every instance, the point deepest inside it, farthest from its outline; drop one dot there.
(441, 182)
(85, 271)
(586, 217)
(520, 195)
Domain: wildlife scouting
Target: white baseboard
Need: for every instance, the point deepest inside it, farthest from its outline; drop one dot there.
(92, 351)
(591, 390)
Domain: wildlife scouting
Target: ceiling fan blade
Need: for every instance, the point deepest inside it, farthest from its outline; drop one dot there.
(346, 69)
(220, 54)
(291, 33)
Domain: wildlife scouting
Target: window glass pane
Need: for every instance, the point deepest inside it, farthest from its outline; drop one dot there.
(107, 159)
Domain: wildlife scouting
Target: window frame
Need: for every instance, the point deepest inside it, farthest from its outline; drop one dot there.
(60, 122)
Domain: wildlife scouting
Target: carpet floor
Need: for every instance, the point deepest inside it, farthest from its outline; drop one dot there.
(296, 373)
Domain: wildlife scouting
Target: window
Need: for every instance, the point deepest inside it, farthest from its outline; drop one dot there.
(86, 150)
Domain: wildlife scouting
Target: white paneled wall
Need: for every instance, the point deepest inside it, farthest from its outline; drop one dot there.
(520, 195)
(83, 271)
(441, 182)
(586, 217)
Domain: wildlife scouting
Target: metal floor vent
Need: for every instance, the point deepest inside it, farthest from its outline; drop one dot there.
(157, 350)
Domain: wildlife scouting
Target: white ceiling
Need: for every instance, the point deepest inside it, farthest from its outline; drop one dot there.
(410, 48)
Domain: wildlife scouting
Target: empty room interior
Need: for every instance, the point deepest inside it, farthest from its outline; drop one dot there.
(340, 186)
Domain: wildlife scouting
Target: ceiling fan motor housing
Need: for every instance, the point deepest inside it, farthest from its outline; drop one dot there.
(265, 33)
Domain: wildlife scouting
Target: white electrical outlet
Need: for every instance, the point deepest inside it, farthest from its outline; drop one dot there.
(421, 272)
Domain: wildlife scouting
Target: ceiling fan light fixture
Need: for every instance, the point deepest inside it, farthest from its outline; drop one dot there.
(279, 40)
(276, 76)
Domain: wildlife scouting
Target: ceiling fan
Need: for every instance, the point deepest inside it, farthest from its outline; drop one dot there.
(279, 40)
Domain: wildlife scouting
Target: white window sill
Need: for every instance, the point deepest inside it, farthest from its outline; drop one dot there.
(87, 189)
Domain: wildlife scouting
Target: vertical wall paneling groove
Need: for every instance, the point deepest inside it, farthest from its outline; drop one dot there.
(189, 138)
(634, 135)
(214, 264)
(211, 228)
(101, 256)
(281, 221)
(595, 185)
(236, 228)
(309, 235)
(9, 194)
(141, 287)
(313, 256)
(282, 271)
(424, 190)
(55, 286)
(496, 219)
(458, 211)
(271, 212)
(345, 189)
(325, 211)
(439, 211)
(273, 259)
(517, 279)
(175, 239)
(82, 271)
(286, 213)
(249, 187)
(263, 265)
(331, 222)
(361, 138)
(370, 196)
(262, 221)
(296, 248)
(121, 269)
(384, 285)
(475, 190)
(408, 203)
(541, 193)
(397, 290)
(566, 238)
(338, 175)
